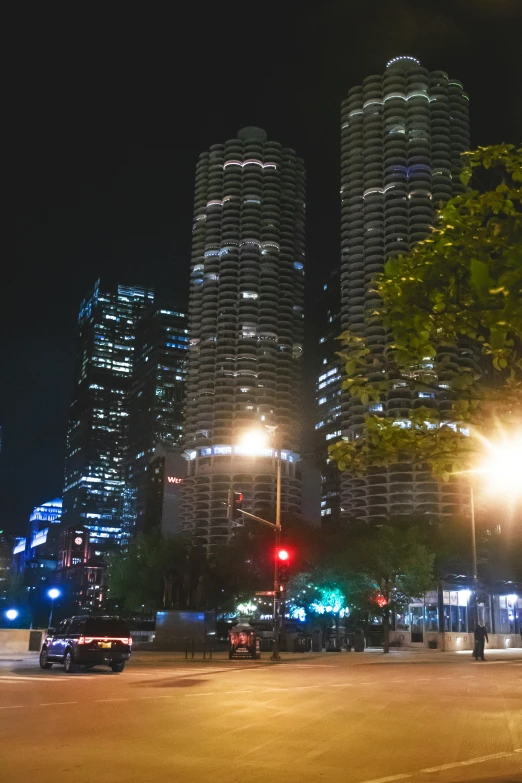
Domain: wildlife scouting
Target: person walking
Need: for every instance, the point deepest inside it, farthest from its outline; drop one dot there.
(481, 637)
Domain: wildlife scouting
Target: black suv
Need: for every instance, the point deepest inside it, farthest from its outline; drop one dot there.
(87, 641)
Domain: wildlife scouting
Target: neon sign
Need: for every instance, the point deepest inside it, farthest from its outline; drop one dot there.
(174, 480)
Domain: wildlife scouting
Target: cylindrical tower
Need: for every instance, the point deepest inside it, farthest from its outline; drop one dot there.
(402, 135)
(245, 328)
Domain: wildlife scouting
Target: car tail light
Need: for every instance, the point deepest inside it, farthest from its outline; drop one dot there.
(85, 640)
(89, 639)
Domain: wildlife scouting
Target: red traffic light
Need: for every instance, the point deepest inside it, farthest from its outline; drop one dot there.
(283, 554)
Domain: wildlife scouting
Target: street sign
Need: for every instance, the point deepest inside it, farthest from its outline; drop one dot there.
(266, 592)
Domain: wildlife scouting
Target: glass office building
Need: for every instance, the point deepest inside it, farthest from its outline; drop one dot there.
(95, 466)
(328, 398)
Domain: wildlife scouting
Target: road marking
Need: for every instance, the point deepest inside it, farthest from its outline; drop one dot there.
(31, 678)
(469, 762)
(442, 767)
(169, 696)
(55, 703)
(97, 700)
(13, 707)
(388, 779)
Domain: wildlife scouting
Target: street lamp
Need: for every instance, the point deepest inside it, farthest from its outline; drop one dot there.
(11, 615)
(252, 442)
(53, 593)
(503, 466)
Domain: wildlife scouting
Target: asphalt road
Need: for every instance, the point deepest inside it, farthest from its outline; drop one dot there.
(346, 718)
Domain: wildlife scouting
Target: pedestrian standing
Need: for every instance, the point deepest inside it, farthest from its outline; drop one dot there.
(481, 637)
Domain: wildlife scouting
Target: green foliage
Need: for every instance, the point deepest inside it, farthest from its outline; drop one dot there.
(397, 564)
(457, 292)
(246, 564)
(138, 575)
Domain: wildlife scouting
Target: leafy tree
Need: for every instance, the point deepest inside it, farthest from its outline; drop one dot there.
(321, 593)
(457, 294)
(246, 563)
(395, 567)
(139, 577)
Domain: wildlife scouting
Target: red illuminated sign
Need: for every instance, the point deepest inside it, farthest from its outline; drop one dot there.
(174, 480)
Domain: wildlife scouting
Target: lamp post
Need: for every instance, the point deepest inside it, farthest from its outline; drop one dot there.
(53, 593)
(502, 467)
(474, 550)
(277, 586)
(254, 441)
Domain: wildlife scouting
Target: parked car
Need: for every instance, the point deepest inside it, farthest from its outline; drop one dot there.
(87, 641)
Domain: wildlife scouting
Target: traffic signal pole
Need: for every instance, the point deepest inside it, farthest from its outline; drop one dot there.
(277, 586)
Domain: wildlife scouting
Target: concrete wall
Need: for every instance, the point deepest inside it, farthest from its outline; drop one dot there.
(14, 640)
(465, 641)
(453, 642)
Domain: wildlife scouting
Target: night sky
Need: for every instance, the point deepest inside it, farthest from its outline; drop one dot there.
(108, 114)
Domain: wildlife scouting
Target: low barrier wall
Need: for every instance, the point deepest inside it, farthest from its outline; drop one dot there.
(16, 640)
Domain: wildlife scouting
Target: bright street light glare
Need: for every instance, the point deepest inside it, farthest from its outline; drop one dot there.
(11, 614)
(254, 440)
(53, 593)
(502, 468)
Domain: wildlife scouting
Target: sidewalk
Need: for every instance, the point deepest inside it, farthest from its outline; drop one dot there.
(372, 655)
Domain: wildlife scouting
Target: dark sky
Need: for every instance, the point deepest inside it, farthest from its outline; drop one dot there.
(108, 113)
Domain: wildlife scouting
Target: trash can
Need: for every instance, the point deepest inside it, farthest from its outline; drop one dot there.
(303, 644)
(358, 640)
(317, 640)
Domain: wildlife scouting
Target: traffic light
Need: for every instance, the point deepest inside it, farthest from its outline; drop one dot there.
(283, 561)
(235, 502)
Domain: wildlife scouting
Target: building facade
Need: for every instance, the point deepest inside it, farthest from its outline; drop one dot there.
(328, 398)
(95, 468)
(39, 549)
(245, 328)
(156, 403)
(6, 557)
(402, 135)
(82, 571)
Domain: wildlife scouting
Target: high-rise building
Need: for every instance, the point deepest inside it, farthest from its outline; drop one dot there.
(156, 409)
(6, 557)
(95, 466)
(402, 136)
(245, 328)
(328, 397)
